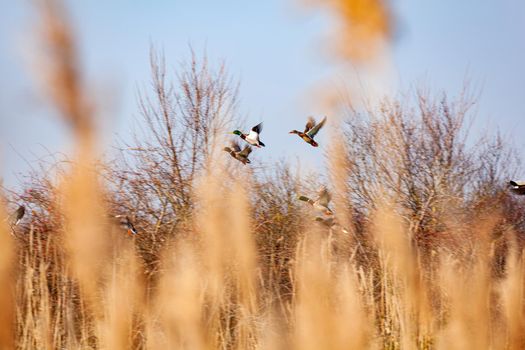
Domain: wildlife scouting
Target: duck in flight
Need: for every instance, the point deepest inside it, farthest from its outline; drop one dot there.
(310, 131)
(253, 137)
(235, 152)
(321, 203)
(517, 187)
(325, 214)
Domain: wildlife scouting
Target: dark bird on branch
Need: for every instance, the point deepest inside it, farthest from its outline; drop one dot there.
(19, 214)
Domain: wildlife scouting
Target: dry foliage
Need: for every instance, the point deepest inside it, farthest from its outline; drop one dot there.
(428, 253)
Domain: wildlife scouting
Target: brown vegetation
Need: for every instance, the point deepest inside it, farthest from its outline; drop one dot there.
(429, 254)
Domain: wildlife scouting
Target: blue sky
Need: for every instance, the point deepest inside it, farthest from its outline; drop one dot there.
(276, 48)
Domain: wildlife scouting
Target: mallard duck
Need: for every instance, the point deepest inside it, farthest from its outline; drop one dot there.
(517, 187)
(322, 202)
(310, 131)
(126, 224)
(253, 137)
(331, 223)
(235, 152)
(328, 221)
(19, 214)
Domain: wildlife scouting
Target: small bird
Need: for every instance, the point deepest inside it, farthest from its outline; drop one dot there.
(253, 137)
(19, 214)
(126, 223)
(517, 187)
(241, 156)
(311, 129)
(322, 202)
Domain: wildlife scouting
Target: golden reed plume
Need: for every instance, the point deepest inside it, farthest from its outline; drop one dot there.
(364, 26)
(59, 68)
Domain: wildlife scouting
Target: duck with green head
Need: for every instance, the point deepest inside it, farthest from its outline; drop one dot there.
(253, 137)
(235, 152)
(311, 129)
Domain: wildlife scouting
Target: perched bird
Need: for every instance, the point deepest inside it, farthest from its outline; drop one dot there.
(310, 131)
(253, 137)
(126, 224)
(517, 187)
(235, 152)
(322, 202)
(19, 214)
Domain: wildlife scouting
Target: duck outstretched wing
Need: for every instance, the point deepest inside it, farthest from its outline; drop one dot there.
(315, 129)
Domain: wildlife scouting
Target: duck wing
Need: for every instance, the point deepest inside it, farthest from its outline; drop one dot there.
(309, 124)
(235, 147)
(324, 197)
(254, 133)
(315, 129)
(246, 151)
(258, 128)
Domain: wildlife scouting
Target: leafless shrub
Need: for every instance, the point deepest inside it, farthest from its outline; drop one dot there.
(184, 118)
(425, 161)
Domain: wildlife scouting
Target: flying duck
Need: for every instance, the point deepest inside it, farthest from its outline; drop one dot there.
(235, 152)
(517, 187)
(311, 129)
(321, 203)
(253, 137)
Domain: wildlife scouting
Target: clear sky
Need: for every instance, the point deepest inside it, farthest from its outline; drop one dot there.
(276, 48)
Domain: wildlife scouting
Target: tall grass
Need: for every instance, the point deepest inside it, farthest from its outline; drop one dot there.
(427, 253)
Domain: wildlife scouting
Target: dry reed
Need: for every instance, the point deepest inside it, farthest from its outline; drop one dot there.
(229, 259)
